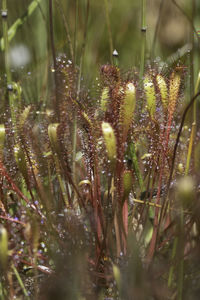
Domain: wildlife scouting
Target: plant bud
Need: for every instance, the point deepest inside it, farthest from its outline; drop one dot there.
(2, 139)
(3, 247)
(52, 132)
(110, 141)
(180, 168)
(185, 191)
(127, 108)
(117, 275)
(104, 99)
(127, 182)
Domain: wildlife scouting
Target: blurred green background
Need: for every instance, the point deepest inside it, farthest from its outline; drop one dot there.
(30, 50)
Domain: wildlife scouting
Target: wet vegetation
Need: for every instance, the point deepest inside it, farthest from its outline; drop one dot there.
(99, 150)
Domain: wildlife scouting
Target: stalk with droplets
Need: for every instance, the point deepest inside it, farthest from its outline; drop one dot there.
(52, 132)
(162, 85)
(150, 94)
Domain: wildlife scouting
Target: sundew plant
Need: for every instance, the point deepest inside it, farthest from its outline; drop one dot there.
(99, 149)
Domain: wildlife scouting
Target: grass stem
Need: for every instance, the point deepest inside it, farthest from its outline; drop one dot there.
(74, 139)
(109, 30)
(157, 29)
(66, 26)
(20, 282)
(51, 29)
(143, 41)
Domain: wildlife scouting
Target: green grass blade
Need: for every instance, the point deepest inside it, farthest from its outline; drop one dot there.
(19, 22)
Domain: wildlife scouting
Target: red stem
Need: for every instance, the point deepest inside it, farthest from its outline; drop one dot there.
(156, 218)
(15, 188)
